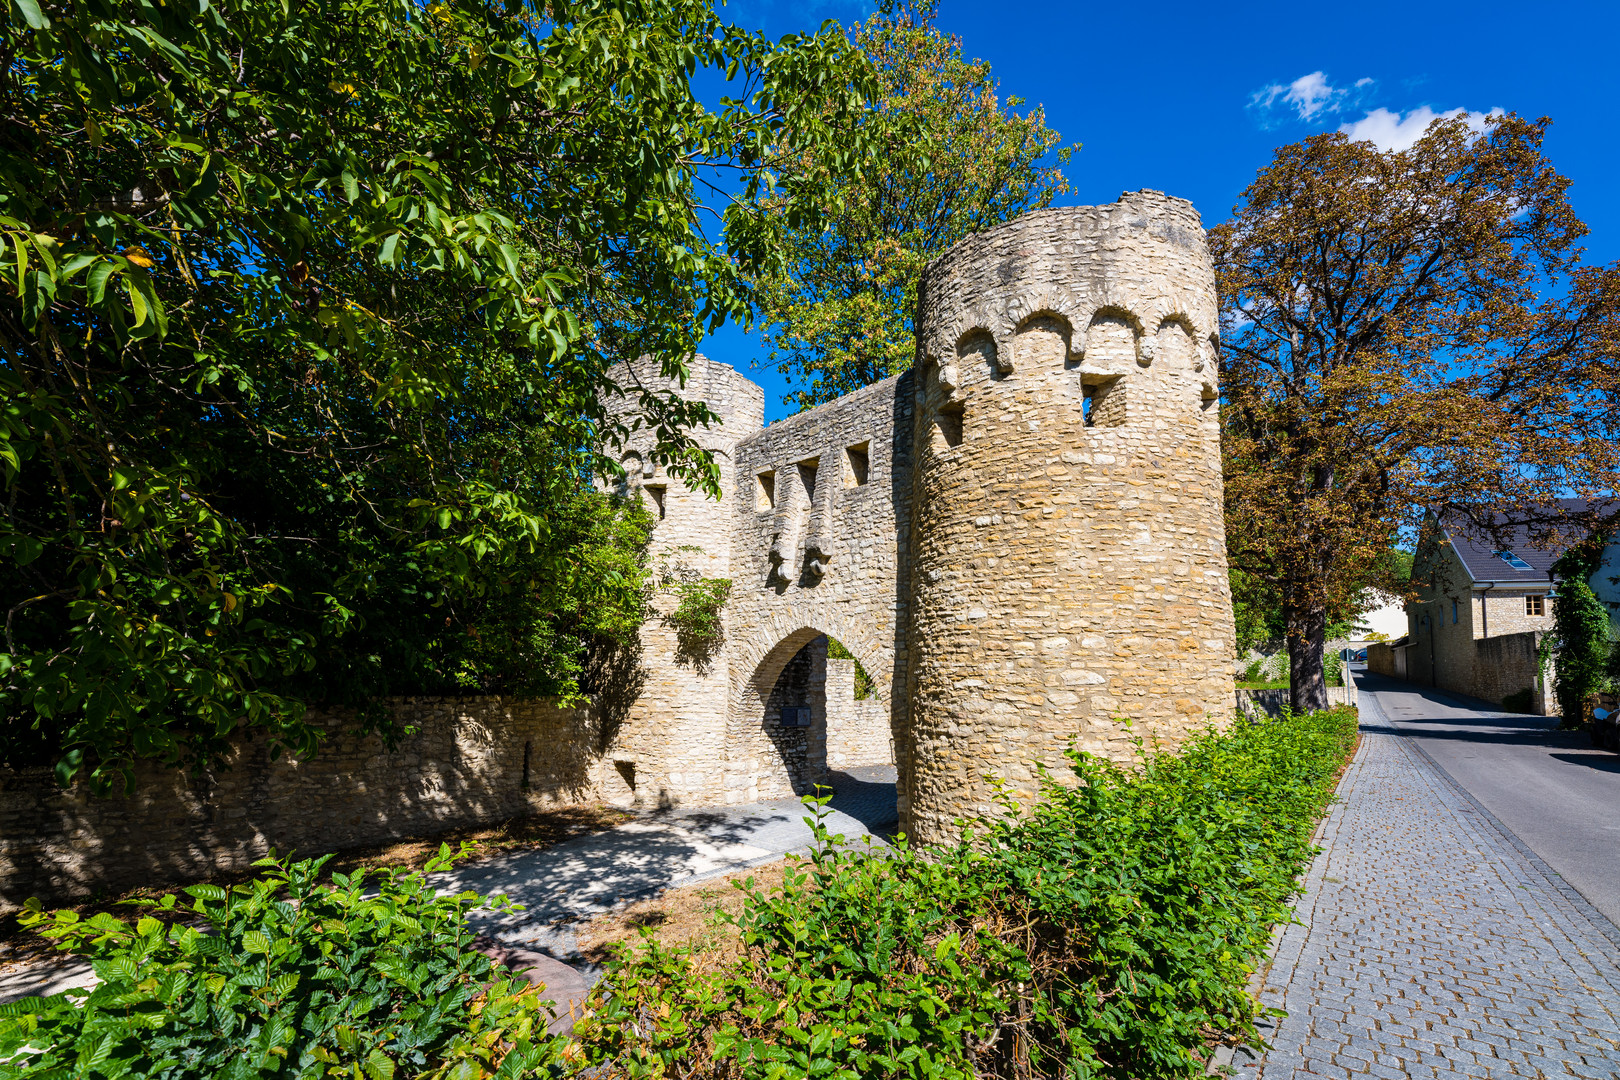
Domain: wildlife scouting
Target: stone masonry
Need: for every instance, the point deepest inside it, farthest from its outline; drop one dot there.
(1020, 538)
(471, 762)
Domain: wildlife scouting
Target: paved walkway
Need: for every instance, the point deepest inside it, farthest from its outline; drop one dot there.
(563, 885)
(1433, 944)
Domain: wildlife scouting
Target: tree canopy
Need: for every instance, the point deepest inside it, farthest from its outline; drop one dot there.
(950, 157)
(304, 311)
(1404, 331)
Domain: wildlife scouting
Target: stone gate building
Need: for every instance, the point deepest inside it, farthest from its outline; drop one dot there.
(1020, 539)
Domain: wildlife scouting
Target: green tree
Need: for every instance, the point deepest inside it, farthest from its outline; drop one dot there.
(951, 158)
(1404, 331)
(304, 311)
(1580, 631)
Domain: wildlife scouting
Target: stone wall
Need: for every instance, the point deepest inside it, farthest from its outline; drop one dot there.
(857, 729)
(801, 750)
(1384, 659)
(1069, 562)
(473, 762)
(668, 733)
(1507, 665)
(821, 525)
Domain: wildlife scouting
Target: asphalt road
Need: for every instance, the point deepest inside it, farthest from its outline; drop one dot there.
(1559, 794)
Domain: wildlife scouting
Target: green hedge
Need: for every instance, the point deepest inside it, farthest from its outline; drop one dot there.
(366, 976)
(1110, 932)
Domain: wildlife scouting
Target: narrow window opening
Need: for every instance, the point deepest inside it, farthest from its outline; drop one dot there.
(656, 493)
(949, 423)
(765, 490)
(1103, 401)
(1454, 612)
(527, 748)
(627, 771)
(807, 477)
(859, 463)
(1535, 605)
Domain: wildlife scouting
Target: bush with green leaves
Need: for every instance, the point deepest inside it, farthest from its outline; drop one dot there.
(1580, 631)
(1108, 932)
(370, 976)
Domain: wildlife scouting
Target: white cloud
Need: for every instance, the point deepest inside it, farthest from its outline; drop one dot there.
(1309, 95)
(1390, 131)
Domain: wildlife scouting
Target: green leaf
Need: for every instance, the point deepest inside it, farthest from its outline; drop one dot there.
(379, 1066)
(351, 186)
(29, 10)
(137, 302)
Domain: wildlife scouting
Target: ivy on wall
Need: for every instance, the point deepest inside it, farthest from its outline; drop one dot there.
(1581, 632)
(699, 602)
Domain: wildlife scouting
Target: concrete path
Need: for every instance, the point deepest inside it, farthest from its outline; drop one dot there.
(1432, 943)
(564, 885)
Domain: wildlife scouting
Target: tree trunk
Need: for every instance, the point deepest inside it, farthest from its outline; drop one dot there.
(1307, 633)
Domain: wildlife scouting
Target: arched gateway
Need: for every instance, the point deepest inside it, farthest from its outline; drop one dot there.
(1020, 539)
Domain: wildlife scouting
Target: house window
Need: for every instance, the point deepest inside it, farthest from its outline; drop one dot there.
(656, 493)
(1513, 560)
(1454, 612)
(1535, 605)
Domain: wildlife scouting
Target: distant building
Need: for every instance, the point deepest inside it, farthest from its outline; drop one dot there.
(1483, 604)
(1388, 619)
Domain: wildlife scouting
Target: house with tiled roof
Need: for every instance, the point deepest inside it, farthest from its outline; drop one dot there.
(1484, 600)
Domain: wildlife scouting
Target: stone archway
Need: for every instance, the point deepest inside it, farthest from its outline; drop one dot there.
(772, 757)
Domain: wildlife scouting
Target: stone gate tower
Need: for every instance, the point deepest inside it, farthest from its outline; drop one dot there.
(1020, 539)
(1069, 559)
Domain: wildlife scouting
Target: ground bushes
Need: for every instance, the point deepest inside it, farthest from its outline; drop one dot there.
(365, 976)
(1108, 932)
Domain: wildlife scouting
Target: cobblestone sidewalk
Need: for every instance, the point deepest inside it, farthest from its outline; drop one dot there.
(1433, 944)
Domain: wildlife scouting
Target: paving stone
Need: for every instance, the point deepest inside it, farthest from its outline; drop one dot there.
(1448, 949)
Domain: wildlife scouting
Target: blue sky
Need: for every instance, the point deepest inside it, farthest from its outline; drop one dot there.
(1192, 99)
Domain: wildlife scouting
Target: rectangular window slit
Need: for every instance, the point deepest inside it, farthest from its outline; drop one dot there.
(765, 490)
(859, 463)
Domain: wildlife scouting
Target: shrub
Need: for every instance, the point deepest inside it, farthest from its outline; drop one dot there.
(1110, 932)
(1519, 701)
(371, 977)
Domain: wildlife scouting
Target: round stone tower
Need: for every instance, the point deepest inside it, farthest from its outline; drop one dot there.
(1068, 563)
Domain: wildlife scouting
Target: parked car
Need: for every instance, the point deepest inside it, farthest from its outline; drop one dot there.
(1361, 655)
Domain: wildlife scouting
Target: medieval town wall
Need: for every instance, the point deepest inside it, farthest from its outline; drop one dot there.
(667, 738)
(1069, 564)
(473, 762)
(1020, 540)
(858, 731)
(821, 520)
